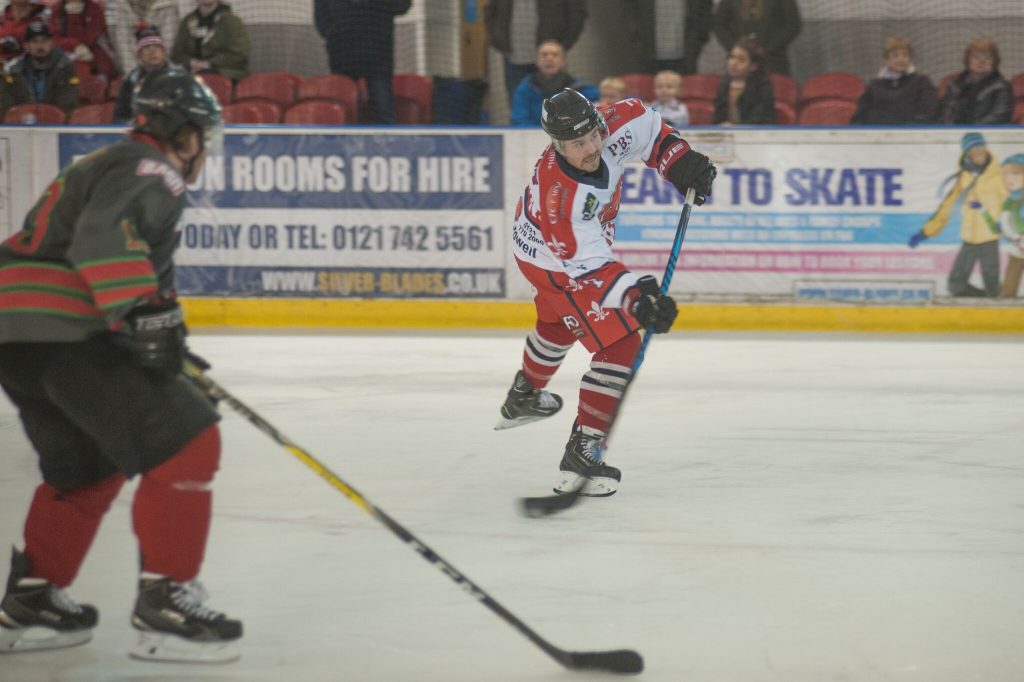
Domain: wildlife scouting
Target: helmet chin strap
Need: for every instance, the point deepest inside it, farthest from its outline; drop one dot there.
(188, 164)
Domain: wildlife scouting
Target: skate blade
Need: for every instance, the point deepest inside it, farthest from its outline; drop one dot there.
(598, 486)
(155, 646)
(14, 640)
(504, 423)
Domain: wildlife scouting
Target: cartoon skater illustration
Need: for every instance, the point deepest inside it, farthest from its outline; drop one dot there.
(977, 187)
(1009, 223)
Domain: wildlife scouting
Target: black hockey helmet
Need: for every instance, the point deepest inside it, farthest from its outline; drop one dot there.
(166, 102)
(568, 114)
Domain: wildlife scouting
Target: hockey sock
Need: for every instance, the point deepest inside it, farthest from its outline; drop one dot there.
(172, 506)
(602, 386)
(61, 526)
(546, 347)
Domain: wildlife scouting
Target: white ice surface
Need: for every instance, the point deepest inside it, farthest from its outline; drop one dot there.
(793, 509)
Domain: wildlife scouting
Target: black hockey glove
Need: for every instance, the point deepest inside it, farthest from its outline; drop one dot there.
(155, 337)
(686, 168)
(651, 308)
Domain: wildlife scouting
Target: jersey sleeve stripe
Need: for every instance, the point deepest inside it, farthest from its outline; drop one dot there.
(46, 302)
(114, 298)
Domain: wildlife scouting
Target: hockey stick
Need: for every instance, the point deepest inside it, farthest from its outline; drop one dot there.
(552, 504)
(617, 661)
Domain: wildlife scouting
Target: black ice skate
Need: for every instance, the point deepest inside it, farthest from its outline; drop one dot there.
(526, 404)
(175, 626)
(36, 614)
(582, 466)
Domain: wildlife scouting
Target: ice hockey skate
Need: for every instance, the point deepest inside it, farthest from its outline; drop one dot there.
(175, 626)
(526, 404)
(581, 467)
(36, 614)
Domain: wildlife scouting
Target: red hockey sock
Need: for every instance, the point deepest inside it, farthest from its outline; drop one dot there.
(171, 510)
(61, 526)
(602, 386)
(546, 347)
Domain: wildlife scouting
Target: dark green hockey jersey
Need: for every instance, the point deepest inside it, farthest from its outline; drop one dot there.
(98, 242)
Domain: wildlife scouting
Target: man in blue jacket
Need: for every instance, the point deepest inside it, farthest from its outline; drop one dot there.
(549, 78)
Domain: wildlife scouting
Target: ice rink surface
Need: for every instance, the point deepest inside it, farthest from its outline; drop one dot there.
(793, 508)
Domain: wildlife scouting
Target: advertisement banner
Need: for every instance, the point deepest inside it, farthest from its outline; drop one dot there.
(314, 214)
(829, 214)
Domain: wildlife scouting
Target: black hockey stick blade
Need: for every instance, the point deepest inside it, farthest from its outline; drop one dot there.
(622, 661)
(546, 505)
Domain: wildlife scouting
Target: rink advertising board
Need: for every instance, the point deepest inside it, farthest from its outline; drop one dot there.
(813, 214)
(314, 214)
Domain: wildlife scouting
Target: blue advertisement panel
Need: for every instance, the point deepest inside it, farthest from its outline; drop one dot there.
(341, 215)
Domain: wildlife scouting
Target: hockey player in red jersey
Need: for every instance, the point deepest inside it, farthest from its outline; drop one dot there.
(562, 236)
(92, 345)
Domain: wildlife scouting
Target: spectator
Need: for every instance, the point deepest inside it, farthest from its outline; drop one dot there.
(80, 29)
(212, 38)
(16, 18)
(667, 90)
(611, 90)
(745, 95)
(549, 78)
(898, 95)
(680, 31)
(516, 27)
(360, 41)
(152, 54)
(124, 17)
(774, 24)
(979, 94)
(43, 74)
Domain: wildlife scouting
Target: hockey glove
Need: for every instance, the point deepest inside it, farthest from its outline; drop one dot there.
(916, 239)
(156, 337)
(651, 308)
(686, 168)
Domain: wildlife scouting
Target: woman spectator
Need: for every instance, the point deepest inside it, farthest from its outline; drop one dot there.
(979, 94)
(80, 29)
(745, 96)
(899, 95)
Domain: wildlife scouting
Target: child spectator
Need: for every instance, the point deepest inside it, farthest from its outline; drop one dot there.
(667, 85)
(612, 89)
(43, 74)
(979, 94)
(898, 95)
(745, 96)
(80, 29)
(212, 38)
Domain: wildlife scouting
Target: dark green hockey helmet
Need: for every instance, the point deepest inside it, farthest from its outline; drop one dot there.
(167, 102)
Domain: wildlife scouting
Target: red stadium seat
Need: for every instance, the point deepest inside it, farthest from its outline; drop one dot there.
(221, 86)
(254, 111)
(279, 86)
(316, 112)
(408, 111)
(785, 88)
(419, 89)
(946, 80)
(35, 114)
(702, 112)
(827, 112)
(639, 85)
(1018, 112)
(333, 86)
(785, 113)
(1018, 86)
(92, 114)
(92, 90)
(832, 85)
(699, 86)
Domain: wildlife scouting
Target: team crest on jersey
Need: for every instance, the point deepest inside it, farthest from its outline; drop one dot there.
(590, 206)
(172, 180)
(597, 312)
(574, 326)
(132, 241)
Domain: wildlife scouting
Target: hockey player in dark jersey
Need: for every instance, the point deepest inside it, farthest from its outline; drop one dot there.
(562, 236)
(92, 345)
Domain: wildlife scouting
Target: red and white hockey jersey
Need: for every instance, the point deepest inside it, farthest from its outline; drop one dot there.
(565, 220)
